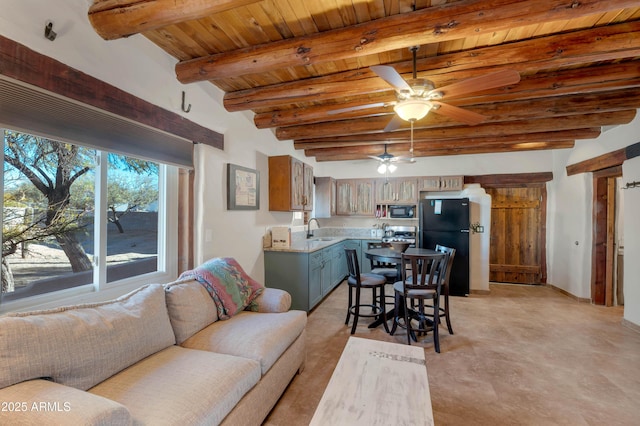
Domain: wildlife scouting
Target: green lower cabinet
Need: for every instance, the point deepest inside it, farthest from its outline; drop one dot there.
(308, 277)
(338, 264)
(317, 268)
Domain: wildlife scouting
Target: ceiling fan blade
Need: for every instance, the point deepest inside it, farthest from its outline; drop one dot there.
(391, 76)
(356, 108)
(406, 160)
(395, 123)
(458, 114)
(375, 157)
(477, 84)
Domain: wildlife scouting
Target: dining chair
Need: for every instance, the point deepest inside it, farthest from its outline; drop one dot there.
(445, 283)
(357, 282)
(419, 285)
(386, 269)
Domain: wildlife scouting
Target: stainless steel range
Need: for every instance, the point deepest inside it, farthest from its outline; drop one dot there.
(400, 233)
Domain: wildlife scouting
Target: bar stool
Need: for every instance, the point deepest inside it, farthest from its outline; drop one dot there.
(423, 285)
(387, 270)
(451, 252)
(358, 281)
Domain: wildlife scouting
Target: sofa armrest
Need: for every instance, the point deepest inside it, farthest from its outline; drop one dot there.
(41, 402)
(273, 300)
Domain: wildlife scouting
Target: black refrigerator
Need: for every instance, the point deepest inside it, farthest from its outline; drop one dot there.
(446, 222)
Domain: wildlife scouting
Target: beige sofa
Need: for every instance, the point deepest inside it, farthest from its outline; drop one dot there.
(157, 356)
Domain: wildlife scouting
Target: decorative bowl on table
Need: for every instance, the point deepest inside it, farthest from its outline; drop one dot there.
(400, 246)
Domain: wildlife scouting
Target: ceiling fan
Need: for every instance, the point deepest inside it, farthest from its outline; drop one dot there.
(416, 97)
(387, 161)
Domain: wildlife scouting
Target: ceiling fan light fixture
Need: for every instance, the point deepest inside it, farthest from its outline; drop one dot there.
(413, 109)
(384, 168)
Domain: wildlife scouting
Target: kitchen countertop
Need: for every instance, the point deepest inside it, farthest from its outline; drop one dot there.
(316, 243)
(310, 245)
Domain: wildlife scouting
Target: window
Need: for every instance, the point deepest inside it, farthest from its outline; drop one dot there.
(75, 216)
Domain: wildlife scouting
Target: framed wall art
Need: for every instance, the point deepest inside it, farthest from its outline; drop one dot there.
(243, 188)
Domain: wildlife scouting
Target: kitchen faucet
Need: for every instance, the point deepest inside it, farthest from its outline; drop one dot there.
(309, 233)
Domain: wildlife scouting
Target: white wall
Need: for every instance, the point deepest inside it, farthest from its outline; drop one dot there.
(569, 229)
(631, 173)
(477, 164)
(139, 67)
(570, 218)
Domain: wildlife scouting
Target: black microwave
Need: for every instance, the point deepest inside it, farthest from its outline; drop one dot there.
(402, 212)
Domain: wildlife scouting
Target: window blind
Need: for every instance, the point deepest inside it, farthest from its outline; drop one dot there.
(33, 110)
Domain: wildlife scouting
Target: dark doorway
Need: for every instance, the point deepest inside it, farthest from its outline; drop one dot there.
(604, 250)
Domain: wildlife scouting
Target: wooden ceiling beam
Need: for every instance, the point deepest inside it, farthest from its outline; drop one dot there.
(529, 56)
(532, 109)
(589, 80)
(113, 19)
(479, 149)
(403, 149)
(573, 134)
(467, 18)
(497, 130)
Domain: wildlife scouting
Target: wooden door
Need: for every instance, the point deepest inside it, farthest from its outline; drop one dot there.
(604, 248)
(517, 249)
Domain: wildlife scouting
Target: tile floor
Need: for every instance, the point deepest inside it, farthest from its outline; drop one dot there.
(523, 355)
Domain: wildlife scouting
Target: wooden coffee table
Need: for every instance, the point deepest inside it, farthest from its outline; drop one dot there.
(376, 383)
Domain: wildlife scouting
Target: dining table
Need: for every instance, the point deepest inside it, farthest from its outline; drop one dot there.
(391, 255)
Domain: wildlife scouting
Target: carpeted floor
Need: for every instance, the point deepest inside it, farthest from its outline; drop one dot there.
(523, 355)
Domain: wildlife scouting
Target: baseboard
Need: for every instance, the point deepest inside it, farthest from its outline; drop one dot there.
(566, 293)
(631, 325)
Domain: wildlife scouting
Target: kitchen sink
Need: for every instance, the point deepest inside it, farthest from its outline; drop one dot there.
(322, 239)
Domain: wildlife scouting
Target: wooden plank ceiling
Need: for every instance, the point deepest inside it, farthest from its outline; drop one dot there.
(295, 62)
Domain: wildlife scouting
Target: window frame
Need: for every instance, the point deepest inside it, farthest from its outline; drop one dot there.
(100, 289)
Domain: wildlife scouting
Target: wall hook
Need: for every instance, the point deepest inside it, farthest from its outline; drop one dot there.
(634, 184)
(187, 109)
(48, 31)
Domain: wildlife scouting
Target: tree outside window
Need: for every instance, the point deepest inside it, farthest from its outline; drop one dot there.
(48, 213)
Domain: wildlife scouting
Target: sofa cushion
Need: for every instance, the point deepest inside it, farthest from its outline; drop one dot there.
(82, 345)
(230, 287)
(190, 308)
(41, 402)
(179, 386)
(258, 336)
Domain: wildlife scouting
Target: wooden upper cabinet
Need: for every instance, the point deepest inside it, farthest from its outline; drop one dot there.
(403, 190)
(440, 183)
(290, 184)
(325, 196)
(307, 183)
(355, 197)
